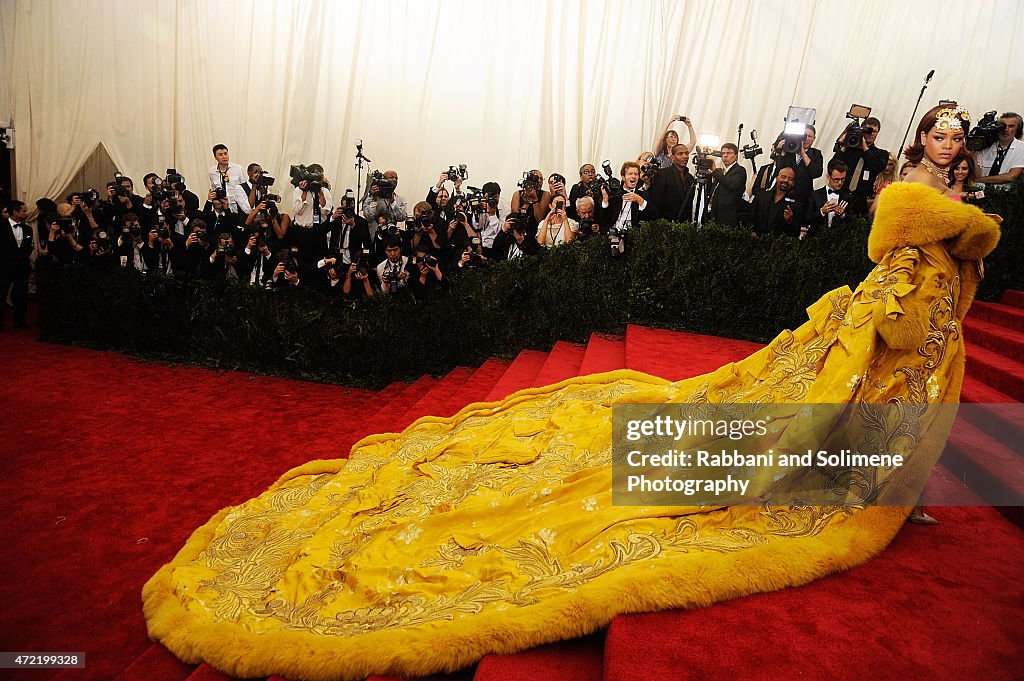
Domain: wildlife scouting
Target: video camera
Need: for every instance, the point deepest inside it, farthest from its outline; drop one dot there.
(312, 174)
(986, 132)
(457, 172)
(702, 157)
(752, 150)
(854, 131)
(385, 187)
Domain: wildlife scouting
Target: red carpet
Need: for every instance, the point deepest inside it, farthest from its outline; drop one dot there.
(110, 463)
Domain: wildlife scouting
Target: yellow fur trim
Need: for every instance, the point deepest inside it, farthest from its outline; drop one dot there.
(911, 214)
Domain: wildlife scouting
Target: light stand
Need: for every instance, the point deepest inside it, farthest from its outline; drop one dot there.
(359, 167)
(927, 79)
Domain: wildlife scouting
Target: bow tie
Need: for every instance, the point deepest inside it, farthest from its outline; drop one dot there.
(832, 192)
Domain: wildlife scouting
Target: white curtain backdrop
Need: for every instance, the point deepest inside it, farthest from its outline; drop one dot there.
(502, 85)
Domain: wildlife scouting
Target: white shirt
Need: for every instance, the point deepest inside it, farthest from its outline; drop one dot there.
(555, 233)
(233, 186)
(302, 210)
(19, 233)
(489, 229)
(1014, 158)
(387, 265)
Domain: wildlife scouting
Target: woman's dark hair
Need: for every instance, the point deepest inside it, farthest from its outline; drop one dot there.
(972, 171)
(915, 152)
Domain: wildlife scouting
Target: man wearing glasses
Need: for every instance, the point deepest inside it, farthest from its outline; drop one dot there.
(864, 163)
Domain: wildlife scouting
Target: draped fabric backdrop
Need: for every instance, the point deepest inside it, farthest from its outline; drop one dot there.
(503, 85)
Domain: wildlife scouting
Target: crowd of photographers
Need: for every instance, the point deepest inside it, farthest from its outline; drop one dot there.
(240, 230)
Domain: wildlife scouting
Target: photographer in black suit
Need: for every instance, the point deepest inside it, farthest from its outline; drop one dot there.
(864, 161)
(728, 184)
(672, 188)
(623, 211)
(16, 246)
(828, 205)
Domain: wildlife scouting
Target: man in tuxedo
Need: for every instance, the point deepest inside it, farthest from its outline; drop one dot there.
(623, 212)
(829, 204)
(15, 264)
(672, 188)
(343, 238)
(728, 184)
(864, 162)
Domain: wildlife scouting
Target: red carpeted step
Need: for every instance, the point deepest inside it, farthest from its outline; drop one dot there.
(1013, 298)
(581, 659)
(997, 371)
(463, 675)
(156, 663)
(604, 353)
(389, 418)
(205, 672)
(999, 339)
(520, 375)
(991, 469)
(675, 355)
(563, 362)
(435, 402)
(944, 488)
(479, 385)
(922, 609)
(996, 313)
(976, 392)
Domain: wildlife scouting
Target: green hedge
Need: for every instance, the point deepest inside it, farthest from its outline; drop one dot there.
(713, 280)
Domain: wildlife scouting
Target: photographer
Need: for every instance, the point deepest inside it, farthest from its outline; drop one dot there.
(222, 261)
(425, 234)
(532, 201)
(672, 189)
(727, 185)
(622, 212)
(488, 223)
(557, 228)
(1002, 162)
(586, 209)
(472, 255)
(169, 248)
(101, 250)
(392, 271)
(286, 272)
(345, 236)
(865, 161)
(514, 239)
(381, 198)
(81, 212)
(228, 177)
(256, 261)
(460, 234)
(121, 199)
(311, 208)
(668, 140)
(778, 211)
(439, 198)
(266, 214)
(130, 244)
(252, 186)
(197, 250)
(587, 186)
(360, 278)
(64, 239)
(828, 205)
(427, 278)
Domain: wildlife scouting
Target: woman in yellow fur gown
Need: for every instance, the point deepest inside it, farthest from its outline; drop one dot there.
(493, 530)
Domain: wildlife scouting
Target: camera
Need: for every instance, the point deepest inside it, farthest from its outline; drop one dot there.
(103, 242)
(986, 132)
(520, 221)
(430, 261)
(587, 226)
(855, 130)
(175, 181)
(262, 232)
(162, 231)
(312, 174)
(392, 272)
(647, 172)
(66, 226)
(795, 131)
(119, 189)
(615, 239)
(385, 187)
(135, 230)
(363, 264)
(530, 182)
(200, 234)
(457, 172)
(609, 182)
(974, 196)
(220, 193)
(264, 180)
(752, 150)
(703, 164)
(287, 258)
(224, 247)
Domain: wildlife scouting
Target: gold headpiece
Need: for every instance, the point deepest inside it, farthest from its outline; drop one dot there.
(952, 119)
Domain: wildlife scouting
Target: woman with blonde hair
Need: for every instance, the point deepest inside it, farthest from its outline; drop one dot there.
(884, 179)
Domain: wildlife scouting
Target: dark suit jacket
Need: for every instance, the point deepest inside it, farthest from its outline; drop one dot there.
(610, 214)
(331, 233)
(768, 214)
(875, 160)
(727, 195)
(14, 260)
(672, 193)
(815, 220)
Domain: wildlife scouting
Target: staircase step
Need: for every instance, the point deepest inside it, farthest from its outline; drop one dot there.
(604, 353)
(997, 313)
(434, 402)
(156, 663)
(944, 488)
(997, 371)
(999, 339)
(520, 375)
(463, 675)
(390, 418)
(1013, 298)
(205, 672)
(479, 385)
(976, 392)
(991, 470)
(563, 362)
(580, 659)
(657, 352)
